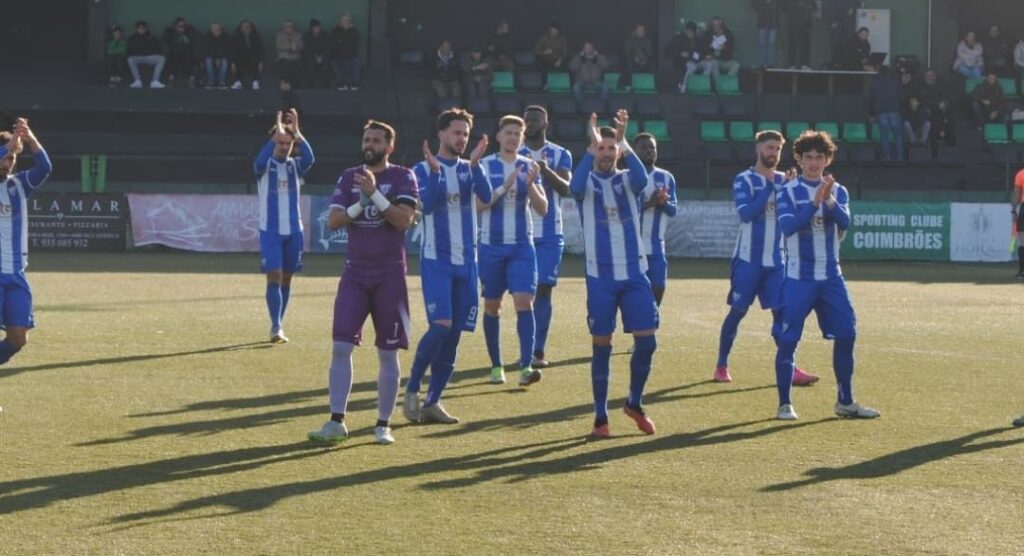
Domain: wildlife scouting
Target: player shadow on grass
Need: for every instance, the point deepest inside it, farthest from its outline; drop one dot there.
(12, 371)
(473, 377)
(898, 462)
(39, 492)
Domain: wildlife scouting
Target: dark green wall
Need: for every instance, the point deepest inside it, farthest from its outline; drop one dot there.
(909, 27)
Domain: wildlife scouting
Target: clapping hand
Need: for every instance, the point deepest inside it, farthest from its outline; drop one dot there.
(479, 150)
(366, 181)
(429, 156)
(621, 122)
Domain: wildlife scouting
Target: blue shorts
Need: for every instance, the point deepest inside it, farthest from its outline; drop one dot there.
(449, 292)
(508, 267)
(278, 252)
(827, 298)
(657, 271)
(549, 260)
(752, 280)
(633, 297)
(16, 301)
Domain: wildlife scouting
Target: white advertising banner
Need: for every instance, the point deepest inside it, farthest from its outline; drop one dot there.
(980, 232)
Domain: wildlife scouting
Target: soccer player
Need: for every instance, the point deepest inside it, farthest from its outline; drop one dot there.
(377, 203)
(615, 265)
(1018, 213)
(507, 257)
(279, 184)
(16, 315)
(659, 204)
(813, 215)
(448, 268)
(757, 260)
(555, 172)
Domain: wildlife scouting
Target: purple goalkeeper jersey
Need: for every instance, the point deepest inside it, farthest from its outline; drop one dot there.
(372, 242)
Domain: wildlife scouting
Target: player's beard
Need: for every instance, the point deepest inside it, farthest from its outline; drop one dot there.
(372, 157)
(648, 161)
(769, 161)
(533, 136)
(454, 149)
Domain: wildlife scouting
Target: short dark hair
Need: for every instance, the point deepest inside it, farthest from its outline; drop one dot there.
(863, 29)
(691, 25)
(768, 135)
(642, 136)
(445, 119)
(536, 108)
(389, 132)
(141, 23)
(606, 132)
(814, 140)
(510, 120)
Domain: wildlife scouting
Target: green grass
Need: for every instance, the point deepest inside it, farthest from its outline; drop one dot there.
(146, 416)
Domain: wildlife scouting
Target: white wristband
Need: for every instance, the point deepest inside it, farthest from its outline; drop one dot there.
(624, 145)
(354, 211)
(380, 201)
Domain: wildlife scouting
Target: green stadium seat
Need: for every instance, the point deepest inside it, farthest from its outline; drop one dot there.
(699, 85)
(794, 129)
(611, 79)
(742, 132)
(728, 85)
(558, 82)
(776, 126)
(712, 131)
(832, 128)
(996, 133)
(876, 135)
(1009, 87)
(1018, 133)
(971, 83)
(503, 82)
(855, 132)
(643, 84)
(659, 129)
(632, 129)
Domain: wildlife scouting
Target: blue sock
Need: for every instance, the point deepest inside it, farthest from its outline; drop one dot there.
(784, 370)
(842, 364)
(526, 329)
(492, 335)
(426, 352)
(285, 293)
(274, 304)
(640, 368)
(600, 376)
(443, 367)
(728, 335)
(7, 351)
(542, 314)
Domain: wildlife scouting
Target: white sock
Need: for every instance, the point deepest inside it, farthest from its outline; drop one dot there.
(339, 377)
(388, 380)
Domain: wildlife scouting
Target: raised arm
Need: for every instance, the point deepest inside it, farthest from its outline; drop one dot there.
(263, 157)
(578, 184)
(637, 173)
(35, 176)
(305, 158)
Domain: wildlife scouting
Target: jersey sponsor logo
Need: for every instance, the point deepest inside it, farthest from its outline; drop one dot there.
(769, 209)
(454, 199)
(6, 209)
(818, 222)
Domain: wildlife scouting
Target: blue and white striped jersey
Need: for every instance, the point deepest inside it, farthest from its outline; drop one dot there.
(14, 193)
(812, 234)
(509, 221)
(279, 186)
(759, 240)
(549, 226)
(610, 216)
(449, 213)
(654, 220)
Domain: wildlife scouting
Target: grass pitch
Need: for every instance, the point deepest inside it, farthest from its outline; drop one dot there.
(149, 416)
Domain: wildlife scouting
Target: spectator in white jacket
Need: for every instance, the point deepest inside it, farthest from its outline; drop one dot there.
(970, 61)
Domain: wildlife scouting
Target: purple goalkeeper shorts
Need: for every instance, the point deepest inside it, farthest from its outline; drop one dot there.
(377, 292)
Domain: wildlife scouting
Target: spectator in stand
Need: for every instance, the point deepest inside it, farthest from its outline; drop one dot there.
(987, 101)
(345, 54)
(181, 39)
(289, 53)
(997, 52)
(317, 53)
(552, 49)
(970, 60)
(144, 49)
(841, 16)
(1018, 58)
(247, 55)
(479, 72)
(216, 50)
(499, 50)
(716, 50)
(767, 28)
(799, 15)
(638, 55)
(116, 53)
(588, 72)
(447, 72)
(886, 98)
(928, 90)
(917, 125)
(943, 124)
(857, 56)
(682, 50)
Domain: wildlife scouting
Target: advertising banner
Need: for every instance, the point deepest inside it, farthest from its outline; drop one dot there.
(897, 231)
(76, 222)
(980, 232)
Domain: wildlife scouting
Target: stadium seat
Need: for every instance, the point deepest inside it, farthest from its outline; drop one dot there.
(591, 105)
(775, 126)
(1005, 154)
(503, 82)
(1009, 87)
(659, 129)
(794, 129)
(563, 106)
(525, 58)
(648, 107)
(1018, 133)
(735, 107)
(507, 104)
(412, 58)
(855, 132)
(558, 82)
(446, 103)
(479, 105)
(569, 129)
(876, 135)
(529, 80)
(863, 152)
(728, 85)
(705, 107)
(712, 131)
(777, 107)
(971, 83)
(632, 129)
(611, 80)
(699, 85)
(720, 152)
(832, 128)
(741, 131)
(643, 84)
(996, 133)
(613, 60)
(619, 101)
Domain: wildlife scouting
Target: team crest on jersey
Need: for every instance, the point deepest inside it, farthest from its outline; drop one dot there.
(617, 187)
(5, 209)
(464, 175)
(384, 188)
(431, 307)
